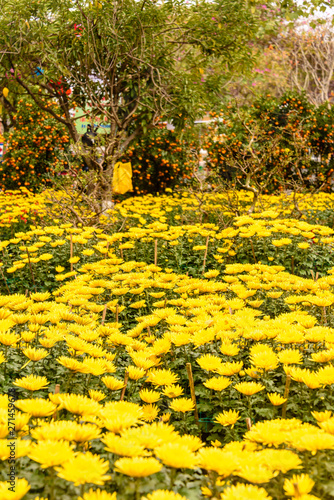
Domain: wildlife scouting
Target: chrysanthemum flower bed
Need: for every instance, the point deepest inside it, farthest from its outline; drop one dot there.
(134, 378)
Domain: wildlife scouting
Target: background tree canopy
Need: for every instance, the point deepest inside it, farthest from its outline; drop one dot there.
(126, 62)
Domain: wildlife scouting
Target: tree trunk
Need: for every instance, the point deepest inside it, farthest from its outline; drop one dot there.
(255, 192)
(106, 186)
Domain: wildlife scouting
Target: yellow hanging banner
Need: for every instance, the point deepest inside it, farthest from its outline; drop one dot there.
(122, 178)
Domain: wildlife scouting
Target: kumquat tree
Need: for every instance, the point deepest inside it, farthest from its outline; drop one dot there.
(34, 149)
(166, 284)
(274, 144)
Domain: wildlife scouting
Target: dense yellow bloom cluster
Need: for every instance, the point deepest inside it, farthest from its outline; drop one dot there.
(196, 315)
(270, 234)
(128, 369)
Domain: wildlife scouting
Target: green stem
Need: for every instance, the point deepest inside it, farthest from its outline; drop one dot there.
(306, 462)
(137, 492)
(87, 381)
(5, 367)
(184, 423)
(52, 484)
(172, 478)
(221, 404)
(233, 434)
(249, 406)
(70, 376)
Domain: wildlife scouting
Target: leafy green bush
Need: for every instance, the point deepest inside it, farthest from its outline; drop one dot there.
(288, 135)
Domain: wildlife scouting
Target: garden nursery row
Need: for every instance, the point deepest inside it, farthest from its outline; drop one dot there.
(176, 351)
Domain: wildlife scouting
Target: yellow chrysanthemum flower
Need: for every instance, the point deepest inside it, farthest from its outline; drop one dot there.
(36, 407)
(74, 260)
(162, 377)
(245, 492)
(173, 391)
(281, 242)
(98, 495)
(120, 415)
(256, 473)
(321, 416)
(149, 396)
(21, 448)
(21, 420)
(96, 395)
(135, 373)
(32, 383)
(122, 446)
(40, 296)
(138, 305)
(28, 336)
(213, 273)
(290, 356)
(18, 491)
(209, 362)
(112, 383)
(298, 485)
(229, 369)
(150, 412)
(66, 430)
(227, 418)
(249, 388)
(217, 383)
(182, 404)
(223, 462)
(9, 339)
(328, 425)
(35, 354)
(79, 405)
(276, 399)
(229, 349)
(137, 466)
(72, 364)
(177, 455)
(303, 245)
(50, 453)
(85, 468)
(194, 443)
(163, 495)
(88, 252)
(266, 360)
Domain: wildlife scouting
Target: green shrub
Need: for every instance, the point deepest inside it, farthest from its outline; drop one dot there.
(34, 148)
(161, 159)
